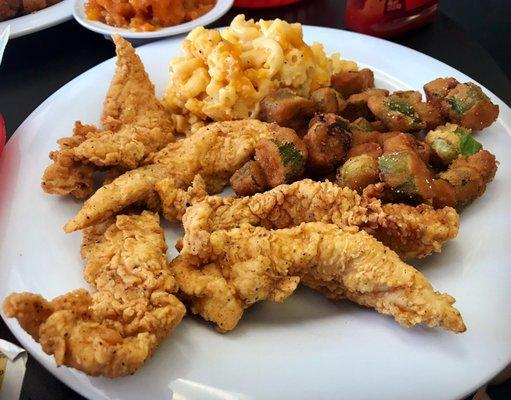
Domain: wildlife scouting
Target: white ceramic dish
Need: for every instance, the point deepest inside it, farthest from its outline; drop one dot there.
(306, 347)
(4, 38)
(39, 20)
(221, 7)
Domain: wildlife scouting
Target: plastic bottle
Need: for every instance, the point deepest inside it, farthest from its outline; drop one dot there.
(262, 3)
(386, 18)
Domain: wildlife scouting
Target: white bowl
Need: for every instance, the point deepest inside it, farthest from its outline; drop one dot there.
(221, 7)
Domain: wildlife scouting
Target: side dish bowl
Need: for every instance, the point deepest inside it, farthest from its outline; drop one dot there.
(220, 8)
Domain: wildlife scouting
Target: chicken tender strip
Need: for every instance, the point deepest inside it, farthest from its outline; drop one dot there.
(135, 122)
(114, 330)
(175, 201)
(410, 231)
(352, 263)
(66, 175)
(132, 187)
(131, 95)
(215, 152)
(221, 295)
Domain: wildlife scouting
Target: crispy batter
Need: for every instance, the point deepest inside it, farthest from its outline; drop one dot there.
(132, 187)
(66, 175)
(131, 94)
(351, 264)
(410, 231)
(175, 201)
(221, 294)
(215, 152)
(114, 330)
(135, 122)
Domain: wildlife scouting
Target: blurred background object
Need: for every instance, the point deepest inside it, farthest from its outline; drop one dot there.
(14, 8)
(263, 3)
(386, 18)
(2, 133)
(487, 22)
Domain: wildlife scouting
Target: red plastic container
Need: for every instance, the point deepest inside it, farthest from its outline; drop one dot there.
(386, 18)
(262, 3)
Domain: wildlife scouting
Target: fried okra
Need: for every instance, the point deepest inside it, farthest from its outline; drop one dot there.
(328, 141)
(397, 141)
(371, 149)
(249, 179)
(356, 105)
(469, 175)
(462, 103)
(328, 100)
(468, 106)
(437, 90)
(361, 125)
(287, 109)
(391, 141)
(404, 111)
(358, 172)
(282, 158)
(407, 176)
(410, 179)
(348, 83)
(449, 141)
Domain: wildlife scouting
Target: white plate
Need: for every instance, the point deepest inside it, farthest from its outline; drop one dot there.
(307, 347)
(39, 20)
(221, 7)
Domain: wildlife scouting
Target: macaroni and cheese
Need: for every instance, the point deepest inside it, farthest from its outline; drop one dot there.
(223, 75)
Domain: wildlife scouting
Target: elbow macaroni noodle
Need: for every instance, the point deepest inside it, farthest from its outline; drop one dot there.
(223, 75)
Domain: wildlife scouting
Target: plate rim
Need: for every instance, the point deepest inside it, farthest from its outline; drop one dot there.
(27, 341)
(218, 11)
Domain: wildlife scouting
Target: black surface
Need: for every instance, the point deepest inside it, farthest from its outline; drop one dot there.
(37, 65)
(488, 23)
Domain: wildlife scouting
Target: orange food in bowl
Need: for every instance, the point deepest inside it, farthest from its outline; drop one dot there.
(146, 15)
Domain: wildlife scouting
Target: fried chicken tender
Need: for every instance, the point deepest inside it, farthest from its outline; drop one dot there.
(220, 295)
(215, 152)
(410, 231)
(135, 122)
(66, 175)
(245, 263)
(175, 201)
(115, 329)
